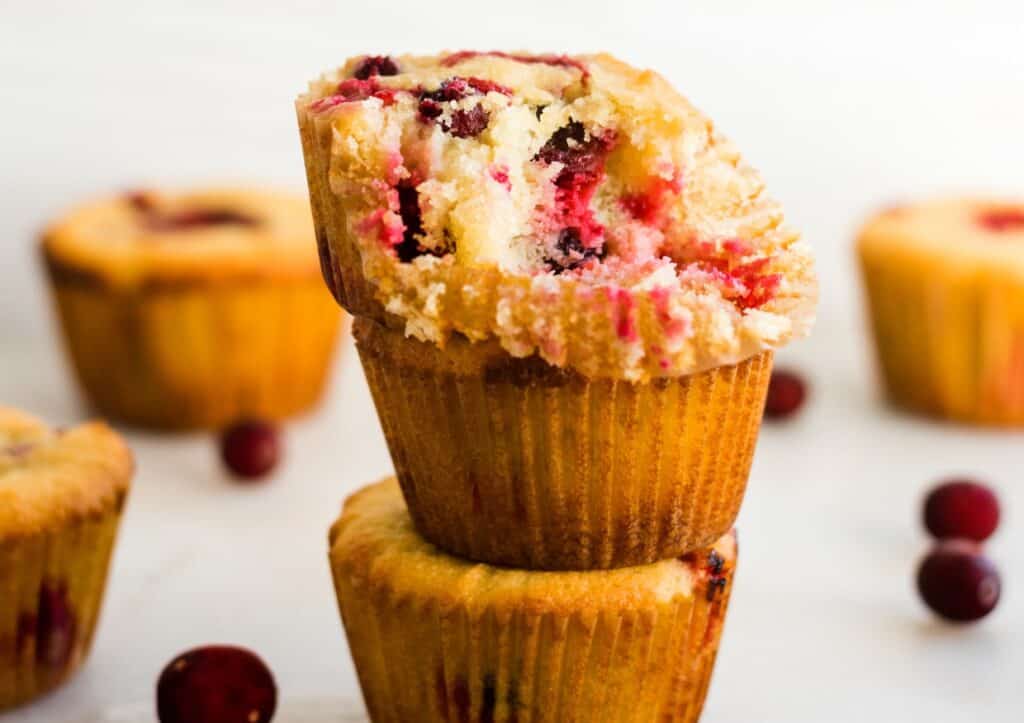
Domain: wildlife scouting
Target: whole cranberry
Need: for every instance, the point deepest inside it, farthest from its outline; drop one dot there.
(251, 449)
(958, 582)
(216, 684)
(961, 508)
(786, 394)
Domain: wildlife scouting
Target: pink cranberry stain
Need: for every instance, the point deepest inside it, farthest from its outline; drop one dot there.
(1000, 220)
(251, 449)
(55, 626)
(582, 158)
(958, 582)
(216, 684)
(373, 65)
(649, 206)
(543, 59)
(961, 508)
(624, 314)
(500, 175)
(355, 90)
(787, 392)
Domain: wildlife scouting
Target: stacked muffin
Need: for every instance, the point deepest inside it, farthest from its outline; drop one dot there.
(567, 288)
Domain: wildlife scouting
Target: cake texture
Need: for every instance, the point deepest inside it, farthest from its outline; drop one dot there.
(572, 208)
(945, 286)
(61, 496)
(516, 462)
(437, 638)
(195, 309)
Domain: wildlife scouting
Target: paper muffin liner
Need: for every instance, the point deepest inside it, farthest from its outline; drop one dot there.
(51, 590)
(443, 655)
(949, 345)
(197, 355)
(517, 463)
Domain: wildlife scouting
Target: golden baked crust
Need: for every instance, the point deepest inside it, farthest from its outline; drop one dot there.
(153, 237)
(965, 234)
(374, 541)
(597, 218)
(49, 477)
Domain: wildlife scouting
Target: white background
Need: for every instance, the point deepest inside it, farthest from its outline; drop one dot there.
(845, 106)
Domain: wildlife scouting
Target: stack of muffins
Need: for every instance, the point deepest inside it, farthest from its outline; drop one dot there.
(567, 287)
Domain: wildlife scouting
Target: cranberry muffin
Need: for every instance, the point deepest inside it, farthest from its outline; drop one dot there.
(945, 290)
(61, 496)
(193, 309)
(437, 638)
(569, 288)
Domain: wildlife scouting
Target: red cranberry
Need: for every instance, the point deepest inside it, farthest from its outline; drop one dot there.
(216, 684)
(251, 449)
(55, 626)
(786, 394)
(373, 65)
(412, 222)
(1003, 219)
(958, 582)
(199, 218)
(467, 123)
(570, 252)
(961, 508)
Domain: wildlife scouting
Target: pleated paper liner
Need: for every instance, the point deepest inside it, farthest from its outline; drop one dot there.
(51, 589)
(197, 355)
(437, 638)
(517, 463)
(949, 345)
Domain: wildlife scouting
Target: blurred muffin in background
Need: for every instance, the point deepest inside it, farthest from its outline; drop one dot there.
(61, 497)
(193, 309)
(945, 286)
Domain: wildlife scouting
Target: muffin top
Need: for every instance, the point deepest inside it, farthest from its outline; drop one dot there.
(375, 543)
(574, 207)
(151, 236)
(49, 477)
(968, 233)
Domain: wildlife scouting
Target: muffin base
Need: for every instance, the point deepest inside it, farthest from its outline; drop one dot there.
(437, 639)
(949, 345)
(514, 462)
(51, 590)
(186, 355)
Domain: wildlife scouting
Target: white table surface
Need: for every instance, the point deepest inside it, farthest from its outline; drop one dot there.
(844, 106)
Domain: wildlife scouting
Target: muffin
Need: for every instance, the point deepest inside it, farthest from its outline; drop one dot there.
(437, 638)
(61, 495)
(195, 309)
(569, 287)
(945, 286)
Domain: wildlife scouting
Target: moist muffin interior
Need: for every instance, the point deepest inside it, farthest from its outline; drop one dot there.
(576, 174)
